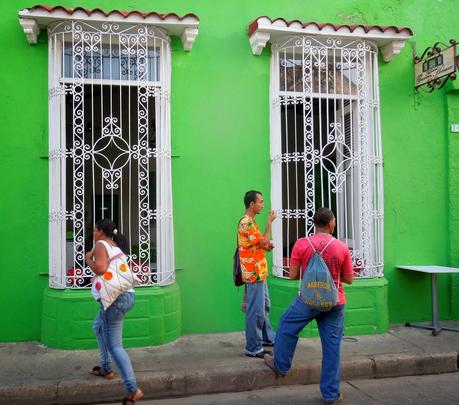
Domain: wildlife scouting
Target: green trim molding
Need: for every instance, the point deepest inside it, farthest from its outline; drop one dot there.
(68, 315)
(367, 310)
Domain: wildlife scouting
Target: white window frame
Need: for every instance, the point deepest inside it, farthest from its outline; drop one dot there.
(153, 25)
(389, 41)
(368, 210)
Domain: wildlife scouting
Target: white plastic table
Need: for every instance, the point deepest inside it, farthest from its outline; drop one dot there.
(433, 271)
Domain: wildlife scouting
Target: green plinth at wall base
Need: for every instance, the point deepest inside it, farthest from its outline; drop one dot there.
(367, 310)
(67, 318)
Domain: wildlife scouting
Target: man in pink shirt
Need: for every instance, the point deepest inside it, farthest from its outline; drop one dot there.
(330, 323)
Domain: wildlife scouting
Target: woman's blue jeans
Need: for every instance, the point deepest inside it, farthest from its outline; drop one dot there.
(257, 326)
(330, 324)
(108, 327)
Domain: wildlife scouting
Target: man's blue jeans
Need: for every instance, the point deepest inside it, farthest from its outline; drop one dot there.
(330, 324)
(108, 327)
(257, 326)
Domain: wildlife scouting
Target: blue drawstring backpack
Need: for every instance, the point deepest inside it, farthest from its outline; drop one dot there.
(317, 288)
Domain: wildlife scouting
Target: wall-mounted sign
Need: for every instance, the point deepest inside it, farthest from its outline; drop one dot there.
(434, 65)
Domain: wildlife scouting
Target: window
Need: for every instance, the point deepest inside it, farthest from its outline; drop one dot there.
(109, 134)
(109, 146)
(326, 146)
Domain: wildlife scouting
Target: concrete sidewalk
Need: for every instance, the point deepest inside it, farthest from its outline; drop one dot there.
(199, 364)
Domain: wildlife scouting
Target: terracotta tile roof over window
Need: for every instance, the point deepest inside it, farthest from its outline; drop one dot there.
(389, 39)
(124, 14)
(315, 26)
(35, 18)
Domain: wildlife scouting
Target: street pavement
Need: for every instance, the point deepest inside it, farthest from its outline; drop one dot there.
(213, 363)
(437, 389)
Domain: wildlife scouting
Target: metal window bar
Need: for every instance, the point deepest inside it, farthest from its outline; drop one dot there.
(326, 146)
(109, 144)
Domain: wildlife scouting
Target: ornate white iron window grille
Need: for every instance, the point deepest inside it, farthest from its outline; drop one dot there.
(109, 146)
(326, 145)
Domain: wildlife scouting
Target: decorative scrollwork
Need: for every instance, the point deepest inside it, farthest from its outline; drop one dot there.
(327, 142)
(295, 213)
(118, 150)
(60, 216)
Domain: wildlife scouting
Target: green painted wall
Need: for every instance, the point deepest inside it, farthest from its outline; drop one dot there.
(366, 305)
(220, 136)
(23, 179)
(68, 316)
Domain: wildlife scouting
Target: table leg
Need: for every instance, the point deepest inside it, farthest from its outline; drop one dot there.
(435, 326)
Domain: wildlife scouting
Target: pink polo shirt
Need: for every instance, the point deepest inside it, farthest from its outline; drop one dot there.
(337, 258)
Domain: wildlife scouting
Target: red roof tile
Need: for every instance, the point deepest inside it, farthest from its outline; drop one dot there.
(124, 14)
(253, 26)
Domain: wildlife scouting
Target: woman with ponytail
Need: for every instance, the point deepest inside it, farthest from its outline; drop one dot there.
(108, 325)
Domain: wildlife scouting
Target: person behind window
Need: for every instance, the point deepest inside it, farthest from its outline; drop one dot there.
(108, 325)
(252, 246)
(330, 323)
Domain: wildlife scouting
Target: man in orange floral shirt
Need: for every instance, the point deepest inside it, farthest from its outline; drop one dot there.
(252, 246)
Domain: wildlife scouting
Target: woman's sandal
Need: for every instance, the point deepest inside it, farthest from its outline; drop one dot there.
(130, 400)
(97, 371)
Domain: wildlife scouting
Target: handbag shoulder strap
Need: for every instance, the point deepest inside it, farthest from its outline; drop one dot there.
(117, 256)
(107, 246)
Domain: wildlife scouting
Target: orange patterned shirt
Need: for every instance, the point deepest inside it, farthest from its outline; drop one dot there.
(253, 260)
